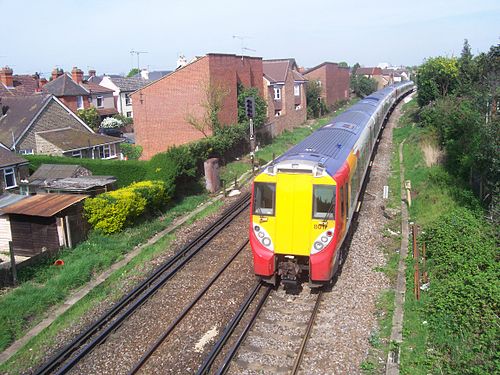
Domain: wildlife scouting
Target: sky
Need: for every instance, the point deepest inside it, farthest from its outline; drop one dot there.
(38, 35)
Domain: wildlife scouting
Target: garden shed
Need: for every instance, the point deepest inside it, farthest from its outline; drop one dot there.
(5, 233)
(46, 222)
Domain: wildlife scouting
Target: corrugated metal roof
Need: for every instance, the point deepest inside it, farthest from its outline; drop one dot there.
(8, 199)
(45, 205)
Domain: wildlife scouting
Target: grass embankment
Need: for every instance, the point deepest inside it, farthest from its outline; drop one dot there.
(46, 286)
(454, 327)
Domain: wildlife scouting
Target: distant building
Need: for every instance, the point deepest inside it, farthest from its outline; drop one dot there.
(161, 108)
(122, 88)
(19, 85)
(285, 94)
(334, 81)
(374, 73)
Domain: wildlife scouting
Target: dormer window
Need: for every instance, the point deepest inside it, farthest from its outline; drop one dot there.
(277, 93)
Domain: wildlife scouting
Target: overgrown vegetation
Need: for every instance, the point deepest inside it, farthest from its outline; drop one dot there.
(90, 116)
(362, 86)
(316, 106)
(131, 152)
(260, 115)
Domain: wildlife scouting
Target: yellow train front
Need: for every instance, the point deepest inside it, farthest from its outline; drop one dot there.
(303, 203)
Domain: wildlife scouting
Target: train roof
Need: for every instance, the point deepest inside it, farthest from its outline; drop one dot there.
(331, 144)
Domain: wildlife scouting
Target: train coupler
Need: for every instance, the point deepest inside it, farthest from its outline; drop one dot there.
(289, 271)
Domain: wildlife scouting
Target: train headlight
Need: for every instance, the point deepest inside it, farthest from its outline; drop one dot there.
(256, 228)
(324, 239)
(266, 242)
(260, 235)
(318, 246)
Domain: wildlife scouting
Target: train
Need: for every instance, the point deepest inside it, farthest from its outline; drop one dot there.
(303, 202)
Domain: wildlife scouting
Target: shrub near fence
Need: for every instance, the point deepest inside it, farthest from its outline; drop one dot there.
(111, 212)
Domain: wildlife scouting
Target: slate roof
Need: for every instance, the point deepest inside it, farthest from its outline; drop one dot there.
(129, 84)
(79, 183)
(21, 111)
(71, 139)
(64, 86)
(155, 75)
(23, 85)
(9, 158)
(55, 171)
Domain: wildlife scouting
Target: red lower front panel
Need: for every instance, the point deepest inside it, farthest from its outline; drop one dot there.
(321, 264)
(263, 259)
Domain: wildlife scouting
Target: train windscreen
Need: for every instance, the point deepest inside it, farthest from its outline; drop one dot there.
(264, 198)
(323, 202)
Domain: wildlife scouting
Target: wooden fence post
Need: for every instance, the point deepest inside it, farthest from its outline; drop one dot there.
(13, 264)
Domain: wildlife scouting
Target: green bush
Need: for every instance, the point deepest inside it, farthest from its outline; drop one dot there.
(111, 212)
(131, 152)
(464, 297)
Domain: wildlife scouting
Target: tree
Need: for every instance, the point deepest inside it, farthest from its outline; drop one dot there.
(214, 99)
(437, 77)
(90, 116)
(260, 117)
(343, 64)
(133, 72)
(363, 86)
(315, 105)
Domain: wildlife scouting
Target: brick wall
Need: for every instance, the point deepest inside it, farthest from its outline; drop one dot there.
(161, 109)
(71, 103)
(335, 82)
(53, 117)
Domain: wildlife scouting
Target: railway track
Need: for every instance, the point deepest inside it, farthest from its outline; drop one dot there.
(272, 341)
(64, 360)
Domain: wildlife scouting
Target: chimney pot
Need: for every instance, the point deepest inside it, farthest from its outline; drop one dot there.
(77, 75)
(6, 76)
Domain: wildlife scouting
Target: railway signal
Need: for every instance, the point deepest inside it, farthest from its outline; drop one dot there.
(250, 107)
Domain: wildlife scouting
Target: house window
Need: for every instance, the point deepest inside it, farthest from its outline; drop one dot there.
(277, 113)
(28, 151)
(129, 114)
(107, 151)
(296, 90)
(9, 178)
(100, 101)
(128, 99)
(79, 102)
(277, 93)
(76, 154)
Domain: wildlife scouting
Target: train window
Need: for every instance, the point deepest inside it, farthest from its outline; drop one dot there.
(264, 198)
(323, 202)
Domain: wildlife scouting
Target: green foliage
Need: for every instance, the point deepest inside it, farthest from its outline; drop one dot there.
(363, 86)
(343, 64)
(316, 106)
(111, 212)
(124, 119)
(260, 116)
(437, 77)
(131, 152)
(133, 72)
(464, 297)
(90, 116)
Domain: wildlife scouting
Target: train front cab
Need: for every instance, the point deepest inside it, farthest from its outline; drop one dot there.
(293, 228)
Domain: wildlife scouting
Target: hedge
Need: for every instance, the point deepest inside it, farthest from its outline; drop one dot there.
(464, 296)
(125, 171)
(111, 212)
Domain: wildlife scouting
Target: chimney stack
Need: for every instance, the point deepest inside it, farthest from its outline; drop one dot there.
(43, 81)
(92, 73)
(56, 72)
(6, 76)
(77, 75)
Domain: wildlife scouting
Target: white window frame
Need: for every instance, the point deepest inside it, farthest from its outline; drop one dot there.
(9, 172)
(28, 151)
(107, 151)
(296, 89)
(101, 98)
(79, 102)
(129, 114)
(128, 99)
(277, 93)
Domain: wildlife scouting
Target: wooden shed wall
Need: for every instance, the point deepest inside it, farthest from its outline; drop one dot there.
(31, 233)
(5, 235)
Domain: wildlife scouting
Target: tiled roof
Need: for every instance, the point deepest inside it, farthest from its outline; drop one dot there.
(94, 88)
(64, 86)
(275, 70)
(71, 139)
(298, 76)
(55, 171)
(21, 110)
(155, 75)
(8, 158)
(23, 85)
(129, 84)
(107, 111)
(369, 71)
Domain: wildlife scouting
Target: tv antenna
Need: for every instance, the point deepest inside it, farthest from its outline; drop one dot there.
(137, 53)
(242, 42)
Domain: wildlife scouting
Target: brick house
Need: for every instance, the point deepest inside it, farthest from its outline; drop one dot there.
(161, 108)
(122, 88)
(13, 169)
(284, 94)
(19, 84)
(334, 82)
(374, 73)
(42, 124)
